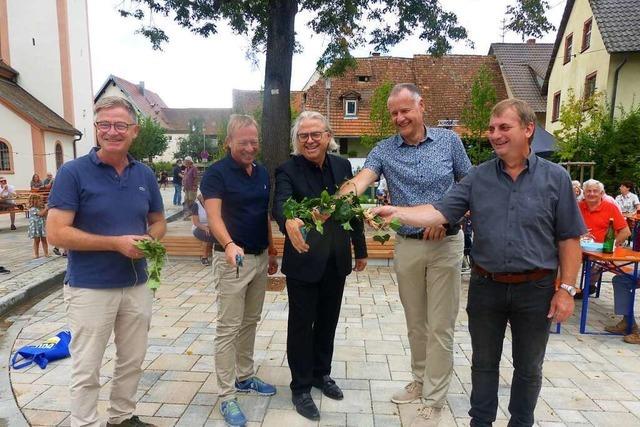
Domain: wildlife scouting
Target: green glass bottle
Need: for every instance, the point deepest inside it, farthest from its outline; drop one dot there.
(609, 239)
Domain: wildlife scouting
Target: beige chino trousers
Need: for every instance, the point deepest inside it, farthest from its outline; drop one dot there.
(240, 303)
(429, 280)
(93, 314)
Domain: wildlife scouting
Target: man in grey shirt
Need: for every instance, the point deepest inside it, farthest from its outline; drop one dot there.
(527, 226)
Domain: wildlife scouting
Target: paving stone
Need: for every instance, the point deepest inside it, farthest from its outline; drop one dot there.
(368, 370)
(172, 392)
(355, 401)
(44, 418)
(176, 362)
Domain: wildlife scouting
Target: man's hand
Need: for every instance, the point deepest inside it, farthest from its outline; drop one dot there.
(561, 307)
(295, 236)
(317, 216)
(126, 245)
(434, 233)
(360, 264)
(230, 253)
(273, 265)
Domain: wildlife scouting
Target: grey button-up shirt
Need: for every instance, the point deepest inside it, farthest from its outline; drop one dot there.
(419, 174)
(516, 224)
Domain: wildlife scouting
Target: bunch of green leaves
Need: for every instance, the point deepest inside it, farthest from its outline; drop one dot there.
(342, 209)
(155, 253)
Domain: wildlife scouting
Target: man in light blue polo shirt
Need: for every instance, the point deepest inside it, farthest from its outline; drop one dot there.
(420, 166)
(101, 204)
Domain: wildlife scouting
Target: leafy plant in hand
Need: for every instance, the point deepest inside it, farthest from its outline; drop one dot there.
(155, 253)
(342, 209)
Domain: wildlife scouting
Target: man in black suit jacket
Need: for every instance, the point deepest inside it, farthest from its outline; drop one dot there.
(316, 269)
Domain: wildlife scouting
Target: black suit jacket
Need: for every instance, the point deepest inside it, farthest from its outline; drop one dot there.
(293, 179)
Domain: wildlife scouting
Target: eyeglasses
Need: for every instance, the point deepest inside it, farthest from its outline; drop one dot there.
(246, 144)
(118, 126)
(315, 136)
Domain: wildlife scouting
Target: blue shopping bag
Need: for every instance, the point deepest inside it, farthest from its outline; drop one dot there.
(52, 349)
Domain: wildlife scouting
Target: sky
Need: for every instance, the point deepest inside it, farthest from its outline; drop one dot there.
(192, 71)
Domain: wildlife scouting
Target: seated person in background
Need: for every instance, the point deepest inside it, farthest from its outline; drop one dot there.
(596, 213)
(48, 181)
(36, 182)
(200, 229)
(7, 202)
(626, 200)
(577, 190)
(622, 288)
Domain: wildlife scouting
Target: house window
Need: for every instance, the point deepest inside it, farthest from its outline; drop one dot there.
(589, 85)
(555, 114)
(363, 78)
(586, 34)
(5, 156)
(568, 48)
(350, 107)
(59, 156)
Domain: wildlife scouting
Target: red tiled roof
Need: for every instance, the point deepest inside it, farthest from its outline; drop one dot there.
(445, 84)
(146, 101)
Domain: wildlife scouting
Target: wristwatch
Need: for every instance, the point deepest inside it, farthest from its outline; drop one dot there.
(570, 289)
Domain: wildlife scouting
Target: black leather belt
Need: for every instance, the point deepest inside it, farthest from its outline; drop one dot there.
(451, 231)
(512, 278)
(219, 248)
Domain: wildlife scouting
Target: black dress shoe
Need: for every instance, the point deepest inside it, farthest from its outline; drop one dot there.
(329, 387)
(305, 406)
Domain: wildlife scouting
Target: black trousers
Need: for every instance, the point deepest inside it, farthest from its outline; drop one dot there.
(314, 309)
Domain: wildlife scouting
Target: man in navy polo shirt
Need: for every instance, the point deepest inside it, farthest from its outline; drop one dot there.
(101, 204)
(236, 193)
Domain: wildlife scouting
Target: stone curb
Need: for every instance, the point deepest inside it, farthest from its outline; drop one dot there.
(9, 301)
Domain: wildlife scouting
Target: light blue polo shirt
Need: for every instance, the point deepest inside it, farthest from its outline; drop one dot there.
(109, 205)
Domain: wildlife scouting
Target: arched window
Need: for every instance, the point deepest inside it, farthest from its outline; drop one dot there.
(59, 156)
(5, 156)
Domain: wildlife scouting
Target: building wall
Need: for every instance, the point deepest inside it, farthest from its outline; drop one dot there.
(628, 92)
(35, 50)
(81, 74)
(572, 74)
(50, 140)
(17, 132)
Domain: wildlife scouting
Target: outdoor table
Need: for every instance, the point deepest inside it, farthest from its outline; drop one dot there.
(615, 263)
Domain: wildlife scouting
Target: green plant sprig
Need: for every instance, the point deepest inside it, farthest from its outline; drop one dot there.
(342, 209)
(155, 253)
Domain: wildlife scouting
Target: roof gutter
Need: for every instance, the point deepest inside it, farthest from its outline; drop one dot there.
(615, 86)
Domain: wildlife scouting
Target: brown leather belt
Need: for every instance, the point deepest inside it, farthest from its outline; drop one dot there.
(513, 278)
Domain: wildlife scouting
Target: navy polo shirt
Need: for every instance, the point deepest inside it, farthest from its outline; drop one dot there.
(245, 200)
(109, 205)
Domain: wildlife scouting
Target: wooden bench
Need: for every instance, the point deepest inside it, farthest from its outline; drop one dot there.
(21, 202)
(190, 246)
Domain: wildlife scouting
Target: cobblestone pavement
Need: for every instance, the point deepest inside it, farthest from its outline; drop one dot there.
(588, 379)
(16, 253)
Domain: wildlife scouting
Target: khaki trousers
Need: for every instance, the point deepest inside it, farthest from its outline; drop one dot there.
(93, 314)
(239, 308)
(429, 285)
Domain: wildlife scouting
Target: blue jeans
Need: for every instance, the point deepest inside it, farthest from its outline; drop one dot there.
(622, 287)
(177, 194)
(491, 305)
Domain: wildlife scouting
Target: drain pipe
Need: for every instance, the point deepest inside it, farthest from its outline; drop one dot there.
(615, 86)
(75, 140)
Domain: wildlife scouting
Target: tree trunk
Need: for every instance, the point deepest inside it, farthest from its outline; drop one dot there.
(276, 106)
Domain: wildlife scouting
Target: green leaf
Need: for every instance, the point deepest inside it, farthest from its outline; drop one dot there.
(319, 227)
(395, 224)
(347, 226)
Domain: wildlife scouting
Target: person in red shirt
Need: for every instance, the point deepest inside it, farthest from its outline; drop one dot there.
(596, 213)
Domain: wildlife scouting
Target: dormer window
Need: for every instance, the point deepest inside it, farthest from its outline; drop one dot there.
(350, 108)
(350, 101)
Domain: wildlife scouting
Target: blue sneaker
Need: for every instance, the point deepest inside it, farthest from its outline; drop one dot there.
(256, 385)
(232, 413)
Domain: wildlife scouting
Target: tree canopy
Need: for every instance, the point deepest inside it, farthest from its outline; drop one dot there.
(151, 140)
(527, 18)
(476, 115)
